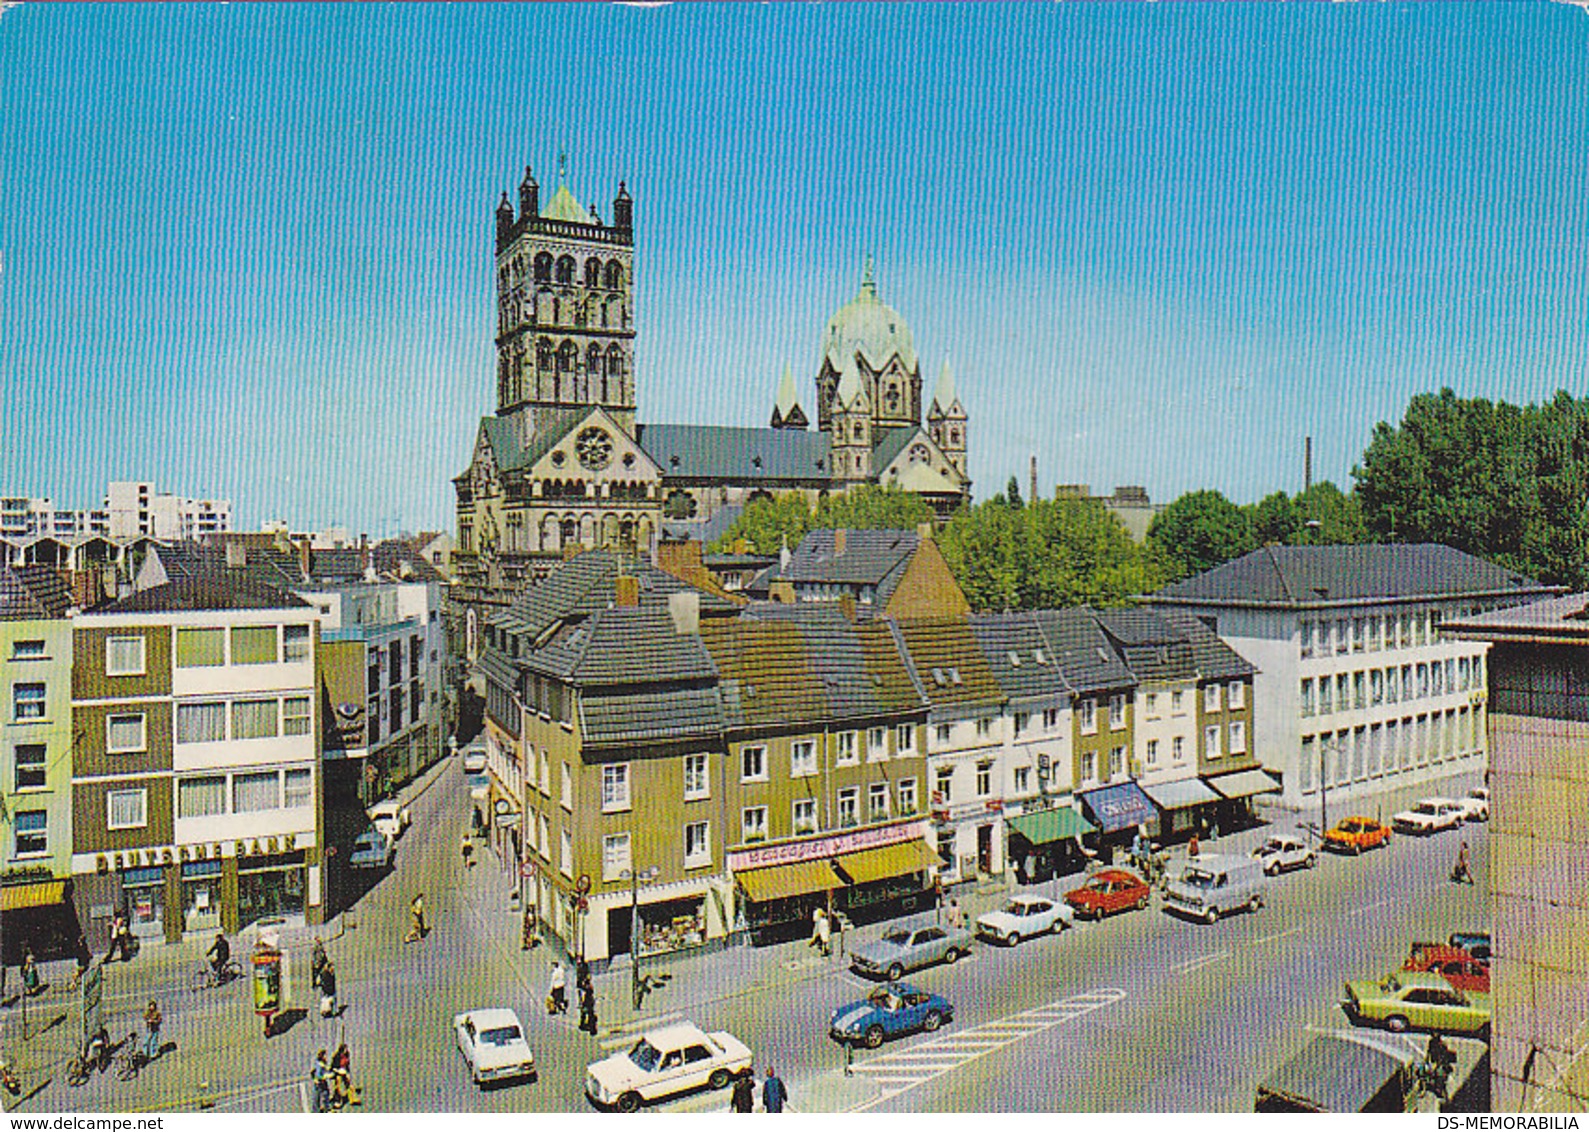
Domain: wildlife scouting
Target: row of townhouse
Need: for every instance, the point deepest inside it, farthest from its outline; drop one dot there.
(673, 769)
(182, 754)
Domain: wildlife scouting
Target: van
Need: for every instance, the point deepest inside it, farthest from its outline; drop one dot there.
(1209, 886)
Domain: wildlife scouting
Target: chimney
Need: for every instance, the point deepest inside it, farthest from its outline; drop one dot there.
(685, 609)
(781, 592)
(847, 607)
(303, 557)
(1032, 494)
(627, 594)
(1307, 462)
(838, 542)
(236, 554)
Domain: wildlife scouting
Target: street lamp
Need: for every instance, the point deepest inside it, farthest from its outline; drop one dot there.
(1327, 746)
(636, 991)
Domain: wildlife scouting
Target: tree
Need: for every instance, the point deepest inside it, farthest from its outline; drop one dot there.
(764, 524)
(1012, 492)
(874, 508)
(1275, 519)
(1201, 530)
(1339, 516)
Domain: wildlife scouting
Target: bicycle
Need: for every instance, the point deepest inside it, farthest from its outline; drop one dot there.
(94, 1054)
(207, 976)
(131, 1059)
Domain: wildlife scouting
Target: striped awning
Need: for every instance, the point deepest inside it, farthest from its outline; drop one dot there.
(40, 894)
(1180, 794)
(779, 881)
(1047, 826)
(889, 861)
(1244, 784)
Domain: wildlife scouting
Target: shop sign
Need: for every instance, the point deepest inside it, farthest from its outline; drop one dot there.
(811, 849)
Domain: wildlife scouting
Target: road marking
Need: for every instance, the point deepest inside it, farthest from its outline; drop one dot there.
(1371, 907)
(901, 1070)
(303, 1097)
(1278, 935)
(1201, 961)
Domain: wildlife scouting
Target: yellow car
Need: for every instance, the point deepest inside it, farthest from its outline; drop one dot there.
(1419, 999)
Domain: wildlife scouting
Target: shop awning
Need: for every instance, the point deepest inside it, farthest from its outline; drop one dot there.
(889, 861)
(1180, 794)
(1120, 807)
(40, 894)
(779, 881)
(1048, 826)
(1245, 783)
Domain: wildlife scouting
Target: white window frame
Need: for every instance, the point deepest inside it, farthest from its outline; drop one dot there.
(1211, 742)
(143, 733)
(943, 784)
(876, 791)
(41, 701)
(1117, 711)
(803, 758)
(701, 857)
(1150, 705)
(847, 751)
(1117, 762)
(1089, 766)
(1177, 703)
(1153, 752)
(1050, 718)
(1087, 715)
(759, 774)
(803, 827)
(876, 744)
(753, 824)
(617, 855)
(1178, 749)
(1238, 737)
(697, 777)
(907, 787)
(1236, 695)
(291, 718)
(566, 792)
(1211, 697)
(904, 739)
(565, 853)
(18, 833)
(849, 799)
(127, 669)
(616, 794)
(1021, 779)
(984, 778)
(141, 794)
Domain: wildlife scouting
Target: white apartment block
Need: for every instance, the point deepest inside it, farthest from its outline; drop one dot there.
(133, 508)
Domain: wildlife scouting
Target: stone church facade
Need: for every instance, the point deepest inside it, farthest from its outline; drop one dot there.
(563, 462)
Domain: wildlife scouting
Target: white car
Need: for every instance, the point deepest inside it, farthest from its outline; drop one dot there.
(492, 1042)
(474, 760)
(372, 849)
(666, 1061)
(390, 818)
(1476, 804)
(1023, 916)
(1430, 815)
(1282, 852)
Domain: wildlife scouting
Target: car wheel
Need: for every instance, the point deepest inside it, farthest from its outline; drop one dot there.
(932, 1021)
(629, 1102)
(1311, 861)
(895, 972)
(1256, 902)
(952, 956)
(719, 1079)
(874, 1036)
(1357, 848)
(1271, 869)
(1012, 938)
(1396, 1023)
(1142, 903)
(1212, 914)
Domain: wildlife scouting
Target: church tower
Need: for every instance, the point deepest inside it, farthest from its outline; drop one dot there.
(850, 426)
(868, 339)
(565, 305)
(786, 410)
(946, 419)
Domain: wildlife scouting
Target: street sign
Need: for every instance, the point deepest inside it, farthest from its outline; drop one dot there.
(583, 884)
(527, 870)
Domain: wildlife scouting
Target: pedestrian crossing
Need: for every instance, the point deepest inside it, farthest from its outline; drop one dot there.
(624, 1036)
(903, 1069)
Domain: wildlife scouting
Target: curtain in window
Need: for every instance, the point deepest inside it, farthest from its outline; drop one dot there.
(295, 715)
(201, 797)
(201, 723)
(294, 643)
(254, 644)
(124, 808)
(200, 648)
(254, 792)
(124, 655)
(254, 719)
(299, 789)
(125, 733)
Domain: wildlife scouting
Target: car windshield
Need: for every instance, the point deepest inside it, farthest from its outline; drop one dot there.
(1197, 878)
(1272, 846)
(501, 1036)
(899, 937)
(1354, 827)
(1425, 808)
(1016, 908)
(1390, 984)
(884, 1000)
(645, 1055)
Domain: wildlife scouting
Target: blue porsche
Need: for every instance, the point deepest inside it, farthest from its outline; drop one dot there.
(890, 1010)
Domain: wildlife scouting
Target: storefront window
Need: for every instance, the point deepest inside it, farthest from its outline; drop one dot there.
(201, 895)
(272, 887)
(144, 890)
(672, 925)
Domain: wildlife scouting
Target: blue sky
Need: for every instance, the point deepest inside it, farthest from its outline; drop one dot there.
(247, 249)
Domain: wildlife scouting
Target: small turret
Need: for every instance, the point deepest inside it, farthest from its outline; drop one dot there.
(851, 444)
(946, 419)
(504, 219)
(529, 196)
(786, 411)
(623, 209)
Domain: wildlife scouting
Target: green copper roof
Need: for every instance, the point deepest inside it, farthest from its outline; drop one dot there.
(563, 206)
(944, 395)
(870, 327)
(787, 398)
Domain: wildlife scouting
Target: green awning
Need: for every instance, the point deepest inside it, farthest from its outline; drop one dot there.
(1047, 826)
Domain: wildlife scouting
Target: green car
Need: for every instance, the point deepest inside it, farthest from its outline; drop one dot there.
(1418, 999)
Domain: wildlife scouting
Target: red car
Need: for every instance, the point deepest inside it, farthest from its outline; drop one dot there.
(1112, 890)
(1453, 964)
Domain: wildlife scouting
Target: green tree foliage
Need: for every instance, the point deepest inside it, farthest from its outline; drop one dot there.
(1504, 482)
(1048, 554)
(764, 524)
(1276, 518)
(1012, 492)
(1201, 530)
(1339, 516)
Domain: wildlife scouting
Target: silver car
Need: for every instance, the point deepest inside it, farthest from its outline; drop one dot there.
(908, 947)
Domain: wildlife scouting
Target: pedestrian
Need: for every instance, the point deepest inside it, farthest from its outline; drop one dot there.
(320, 1075)
(152, 1020)
(30, 973)
(1460, 873)
(957, 915)
(1193, 846)
(342, 1090)
(328, 989)
(557, 990)
(587, 1008)
(773, 1093)
(84, 957)
(467, 849)
(581, 973)
(317, 961)
(821, 931)
(416, 913)
(744, 1096)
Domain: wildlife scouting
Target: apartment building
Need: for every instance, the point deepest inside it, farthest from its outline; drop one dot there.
(195, 780)
(1357, 686)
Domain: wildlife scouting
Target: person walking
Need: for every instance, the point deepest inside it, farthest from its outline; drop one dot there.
(744, 1096)
(31, 985)
(1460, 873)
(320, 1076)
(557, 990)
(85, 960)
(119, 939)
(416, 913)
(773, 1093)
(1194, 847)
(342, 1090)
(821, 931)
(328, 989)
(467, 850)
(957, 915)
(587, 1008)
(152, 1020)
(317, 962)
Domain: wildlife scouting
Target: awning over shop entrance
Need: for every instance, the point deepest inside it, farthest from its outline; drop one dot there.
(907, 857)
(1180, 794)
(1119, 807)
(1048, 826)
(1245, 783)
(779, 881)
(40, 894)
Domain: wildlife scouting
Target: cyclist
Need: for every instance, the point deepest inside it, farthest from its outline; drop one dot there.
(220, 953)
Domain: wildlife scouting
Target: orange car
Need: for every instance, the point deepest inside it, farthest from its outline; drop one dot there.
(1355, 834)
(1457, 967)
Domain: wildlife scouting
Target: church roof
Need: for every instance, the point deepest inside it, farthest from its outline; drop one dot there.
(32, 593)
(512, 454)
(924, 479)
(563, 206)
(743, 454)
(890, 442)
(870, 327)
(944, 395)
(787, 398)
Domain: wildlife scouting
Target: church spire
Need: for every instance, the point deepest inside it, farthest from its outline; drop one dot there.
(786, 411)
(944, 397)
(868, 278)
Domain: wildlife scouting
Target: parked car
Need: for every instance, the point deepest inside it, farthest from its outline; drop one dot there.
(891, 1010)
(492, 1043)
(390, 817)
(1355, 834)
(372, 849)
(1111, 890)
(1283, 852)
(479, 787)
(1476, 944)
(1476, 804)
(1023, 916)
(1410, 998)
(1430, 815)
(1457, 967)
(474, 759)
(908, 947)
(665, 1061)
(1213, 884)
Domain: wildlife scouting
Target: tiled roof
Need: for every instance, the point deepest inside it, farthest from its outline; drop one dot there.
(1566, 616)
(498, 669)
(262, 563)
(32, 593)
(623, 647)
(337, 564)
(766, 672)
(869, 556)
(1215, 659)
(390, 557)
(205, 592)
(741, 454)
(503, 434)
(1082, 651)
(587, 583)
(1152, 648)
(949, 666)
(1292, 576)
(682, 713)
(889, 442)
(704, 531)
(1019, 655)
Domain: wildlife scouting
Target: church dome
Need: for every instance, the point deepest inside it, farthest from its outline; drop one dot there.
(870, 327)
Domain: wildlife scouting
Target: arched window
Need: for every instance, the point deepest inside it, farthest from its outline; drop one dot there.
(954, 436)
(892, 398)
(593, 272)
(594, 367)
(858, 432)
(614, 275)
(615, 371)
(565, 357)
(569, 531)
(543, 354)
(919, 454)
(565, 269)
(543, 267)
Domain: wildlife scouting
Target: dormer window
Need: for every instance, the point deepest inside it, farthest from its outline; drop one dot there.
(1015, 659)
(938, 677)
(1039, 656)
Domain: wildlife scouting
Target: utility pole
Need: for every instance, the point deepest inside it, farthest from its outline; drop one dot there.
(636, 986)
